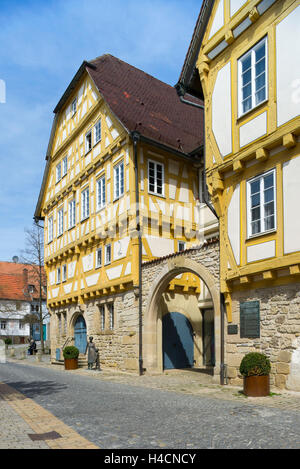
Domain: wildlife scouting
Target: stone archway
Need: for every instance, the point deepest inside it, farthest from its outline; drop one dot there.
(203, 262)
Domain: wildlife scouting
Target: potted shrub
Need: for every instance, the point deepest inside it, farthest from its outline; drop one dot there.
(71, 354)
(255, 368)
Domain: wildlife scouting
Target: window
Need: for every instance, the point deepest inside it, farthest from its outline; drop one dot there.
(58, 277)
(202, 182)
(58, 172)
(101, 193)
(110, 308)
(181, 246)
(64, 273)
(99, 258)
(31, 288)
(21, 325)
(85, 204)
(102, 317)
(252, 70)
(74, 107)
(97, 132)
(261, 203)
(60, 226)
(88, 141)
(72, 213)
(3, 325)
(118, 180)
(155, 178)
(107, 254)
(50, 229)
(64, 166)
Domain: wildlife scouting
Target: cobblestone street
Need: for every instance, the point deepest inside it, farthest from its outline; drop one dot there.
(113, 410)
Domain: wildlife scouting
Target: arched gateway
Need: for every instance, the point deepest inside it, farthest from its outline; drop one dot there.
(203, 262)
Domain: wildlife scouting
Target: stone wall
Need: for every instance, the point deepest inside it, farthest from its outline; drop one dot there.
(279, 334)
(118, 347)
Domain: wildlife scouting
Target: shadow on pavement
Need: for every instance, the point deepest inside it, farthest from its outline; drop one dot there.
(33, 388)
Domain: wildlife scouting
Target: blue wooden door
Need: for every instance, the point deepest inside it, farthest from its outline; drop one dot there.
(80, 334)
(178, 342)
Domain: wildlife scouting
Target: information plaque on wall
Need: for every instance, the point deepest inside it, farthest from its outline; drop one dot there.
(250, 320)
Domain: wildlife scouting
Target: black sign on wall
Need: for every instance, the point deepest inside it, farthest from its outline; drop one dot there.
(250, 320)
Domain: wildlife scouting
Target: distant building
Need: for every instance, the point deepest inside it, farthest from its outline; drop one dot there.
(19, 296)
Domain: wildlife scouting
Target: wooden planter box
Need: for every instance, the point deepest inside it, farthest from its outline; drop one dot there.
(71, 363)
(257, 386)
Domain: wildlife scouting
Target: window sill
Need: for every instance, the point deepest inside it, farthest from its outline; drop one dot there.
(87, 152)
(157, 195)
(259, 235)
(84, 219)
(60, 235)
(246, 114)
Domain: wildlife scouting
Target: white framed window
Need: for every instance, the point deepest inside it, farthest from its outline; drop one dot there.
(64, 166)
(97, 132)
(118, 180)
(261, 203)
(85, 203)
(110, 308)
(50, 230)
(107, 254)
(3, 325)
(155, 178)
(64, 273)
(74, 106)
(98, 258)
(100, 194)
(181, 246)
(72, 213)
(58, 172)
(21, 325)
(58, 275)
(102, 317)
(60, 222)
(253, 77)
(88, 141)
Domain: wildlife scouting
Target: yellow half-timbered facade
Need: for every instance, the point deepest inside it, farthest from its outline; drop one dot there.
(120, 188)
(244, 61)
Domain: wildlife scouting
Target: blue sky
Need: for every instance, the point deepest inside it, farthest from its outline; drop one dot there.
(42, 44)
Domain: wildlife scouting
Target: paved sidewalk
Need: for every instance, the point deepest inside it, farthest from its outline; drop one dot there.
(182, 381)
(21, 417)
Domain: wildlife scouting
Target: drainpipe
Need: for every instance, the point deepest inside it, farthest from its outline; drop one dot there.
(181, 93)
(136, 138)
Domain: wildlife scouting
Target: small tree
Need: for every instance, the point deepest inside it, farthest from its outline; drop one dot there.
(33, 255)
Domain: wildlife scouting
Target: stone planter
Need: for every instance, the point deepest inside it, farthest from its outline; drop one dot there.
(257, 386)
(71, 363)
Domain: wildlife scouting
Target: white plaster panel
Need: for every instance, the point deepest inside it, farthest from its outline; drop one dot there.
(114, 272)
(253, 129)
(218, 21)
(233, 221)
(221, 110)
(261, 251)
(52, 278)
(291, 197)
(87, 262)
(235, 5)
(71, 269)
(68, 288)
(288, 67)
(128, 269)
(172, 188)
(120, 248)
(160, 246)
(92, 280)
(184, 192)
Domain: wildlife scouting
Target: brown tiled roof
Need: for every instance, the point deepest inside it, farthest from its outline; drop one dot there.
(14, 281)
(145, 104)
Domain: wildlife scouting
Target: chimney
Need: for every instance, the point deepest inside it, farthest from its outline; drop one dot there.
(25, 282)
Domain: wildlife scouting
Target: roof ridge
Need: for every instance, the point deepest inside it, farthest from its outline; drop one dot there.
(131, 66)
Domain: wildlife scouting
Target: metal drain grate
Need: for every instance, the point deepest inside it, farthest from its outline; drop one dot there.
(44, 436)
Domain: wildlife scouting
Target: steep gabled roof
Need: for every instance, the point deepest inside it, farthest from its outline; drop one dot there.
(141, 103)
(15, 279)
(145, 104)
(189, 79)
